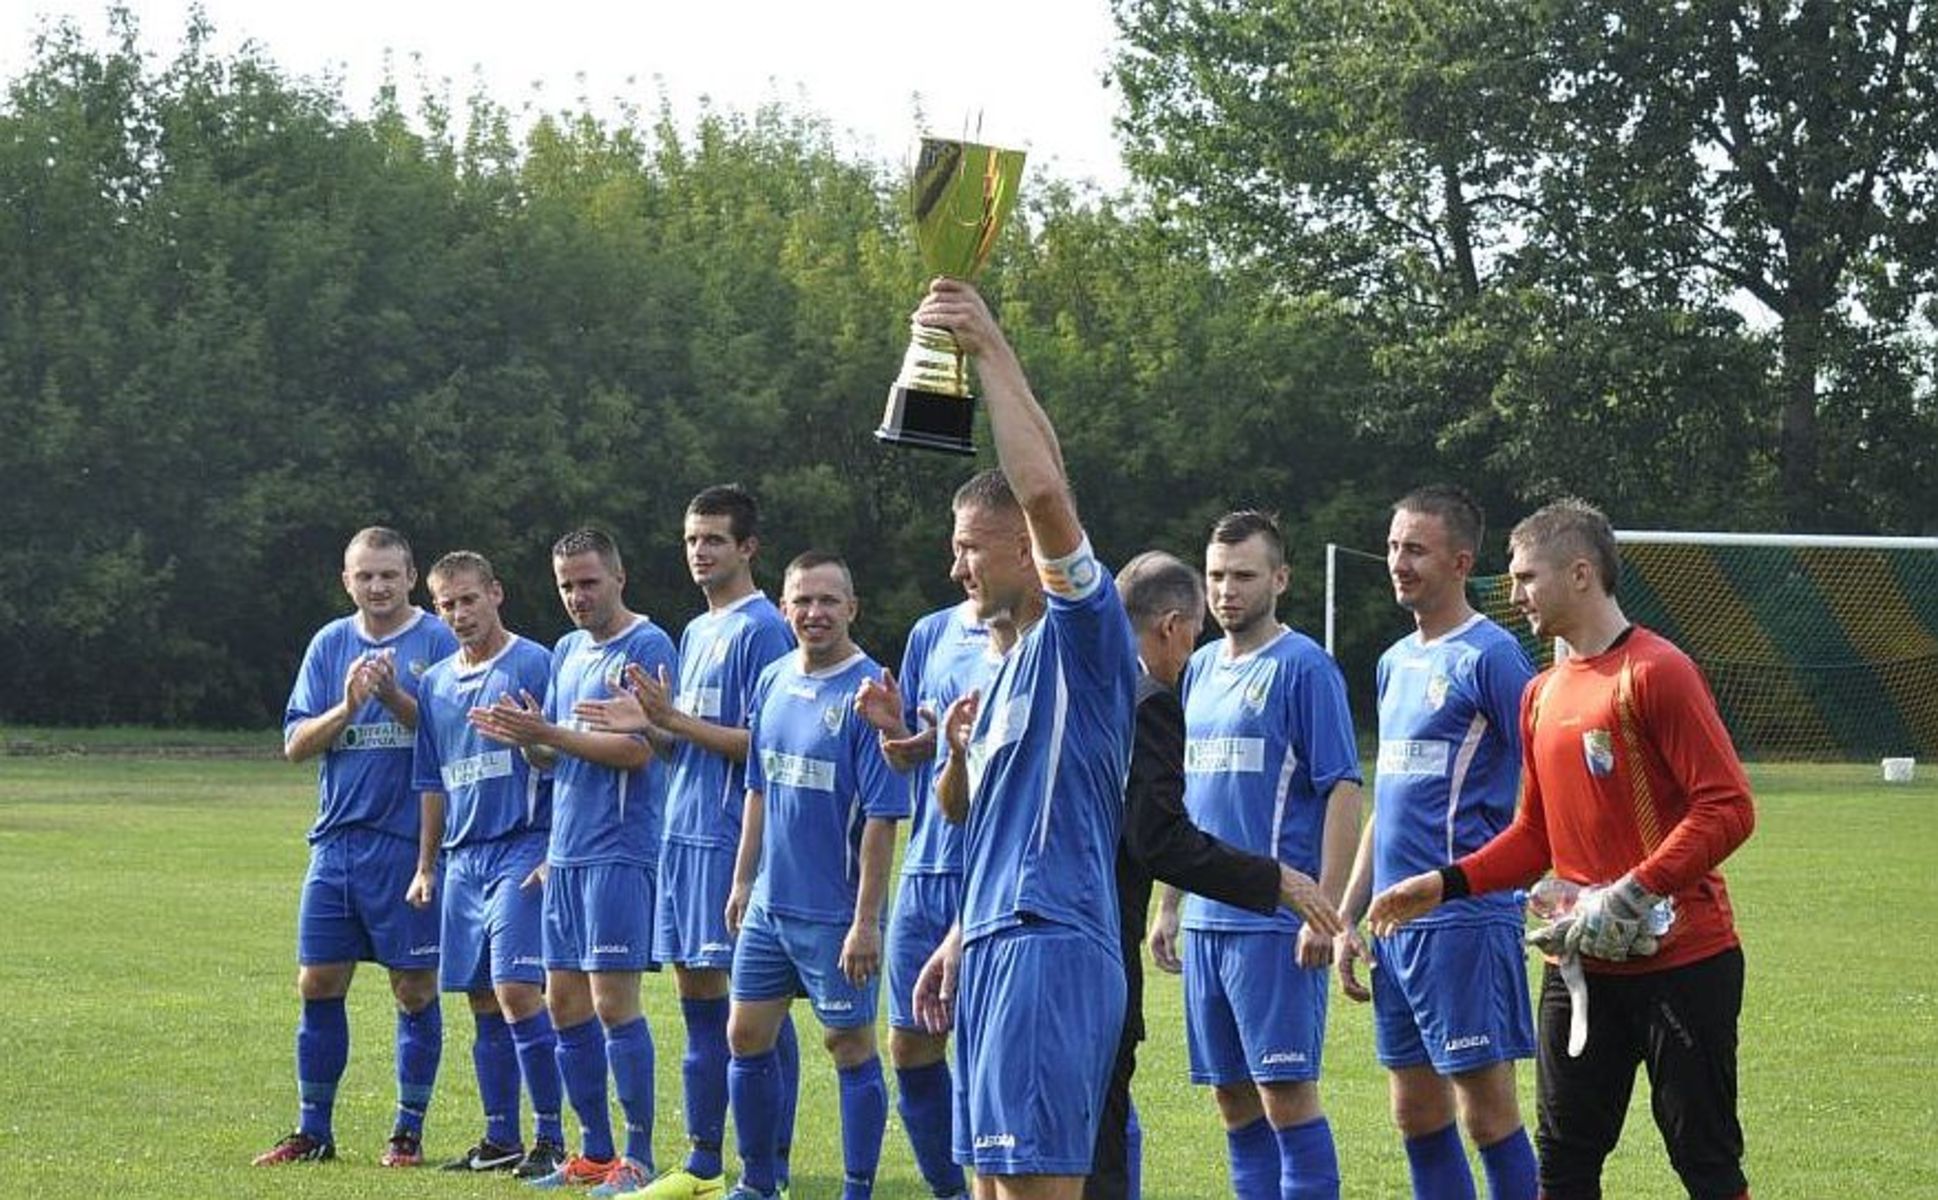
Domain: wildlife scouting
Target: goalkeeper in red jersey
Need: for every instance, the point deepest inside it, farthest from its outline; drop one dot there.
(1630, 788)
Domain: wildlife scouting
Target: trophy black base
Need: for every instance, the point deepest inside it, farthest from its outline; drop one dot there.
(929, 421)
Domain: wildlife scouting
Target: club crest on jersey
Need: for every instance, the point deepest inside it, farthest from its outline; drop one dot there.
(1255, 692)
(833, 714)
(1598, 748)
(1436, 692)
(615, 673)
(417, 668)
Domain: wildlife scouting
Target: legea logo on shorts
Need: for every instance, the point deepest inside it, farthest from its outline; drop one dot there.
(1472, 1041)
(430, 948)
(715, 947)
(528, 960)
(1282, 1058)
(996, 1141)
(612, 948)
(837, 1006)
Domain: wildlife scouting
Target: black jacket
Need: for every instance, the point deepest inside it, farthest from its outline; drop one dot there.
(1160, 840)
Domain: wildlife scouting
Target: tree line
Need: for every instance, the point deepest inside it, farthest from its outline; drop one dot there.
(1368, 245)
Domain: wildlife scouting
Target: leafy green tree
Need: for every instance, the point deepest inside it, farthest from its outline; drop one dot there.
(1783, 150)
(1551, 212)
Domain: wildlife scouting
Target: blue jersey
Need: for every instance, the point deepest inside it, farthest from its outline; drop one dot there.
(601, 814)
(490, 791)
(1047, 763)
(1267, 736)
(948, 655)
(364, 778)
(1449, 769)
(721, 656)
(817, 766)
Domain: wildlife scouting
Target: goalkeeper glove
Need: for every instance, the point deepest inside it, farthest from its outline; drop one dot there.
(1615, 923)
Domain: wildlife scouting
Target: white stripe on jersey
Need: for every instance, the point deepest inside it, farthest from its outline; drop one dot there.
(848, 848)
(1282, 793)
(727, 797)
(1058, 710)
(1469, 746)
(1054, 758)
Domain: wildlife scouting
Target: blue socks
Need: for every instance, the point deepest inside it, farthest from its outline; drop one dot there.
(924, 1098)
(1510, 1167)
(788, 1047)
(754, 1087)
(1308, 1162)
(1437, 1163)
(1254, 1161)
(537, 1047)
(704, 1069)
(629, 1051)
(864, 1115)
(322, 1051)
(582, 1068)
(496, 1062)
(420, 1043)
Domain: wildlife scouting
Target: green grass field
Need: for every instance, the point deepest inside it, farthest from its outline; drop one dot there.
(146, 1006)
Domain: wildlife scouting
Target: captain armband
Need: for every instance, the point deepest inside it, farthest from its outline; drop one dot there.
(1074, 576)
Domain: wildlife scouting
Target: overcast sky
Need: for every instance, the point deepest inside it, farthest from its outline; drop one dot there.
(1032, 68)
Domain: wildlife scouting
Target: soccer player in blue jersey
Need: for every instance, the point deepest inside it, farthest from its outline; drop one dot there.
(811, 878)
(1270, 767)
(1166, 603)
(1450, 1000)
(1037, 766)
(489, 813)
(722, 653)
(609, 794)
(355, 706)
(948, 655)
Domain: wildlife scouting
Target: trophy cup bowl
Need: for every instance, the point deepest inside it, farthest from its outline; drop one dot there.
(960, 194)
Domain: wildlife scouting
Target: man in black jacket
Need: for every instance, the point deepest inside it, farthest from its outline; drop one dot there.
(1166, 603)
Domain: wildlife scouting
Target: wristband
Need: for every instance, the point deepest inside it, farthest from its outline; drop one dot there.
(1453, 883)
(1074, 576)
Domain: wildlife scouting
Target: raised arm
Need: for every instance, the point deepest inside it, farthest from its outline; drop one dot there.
(1026, 445)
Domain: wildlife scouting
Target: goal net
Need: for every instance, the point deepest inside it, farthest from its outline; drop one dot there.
(1815, 647)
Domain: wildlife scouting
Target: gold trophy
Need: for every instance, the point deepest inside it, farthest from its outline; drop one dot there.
(961, 193)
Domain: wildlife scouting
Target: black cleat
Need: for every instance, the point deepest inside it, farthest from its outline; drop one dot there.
(544, 1158)
(487, 1156)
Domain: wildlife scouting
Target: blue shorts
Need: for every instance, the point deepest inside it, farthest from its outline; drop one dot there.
(690, 924)
(353, 907)
(1039, 1012)
(599, 918)
(779, 958)
(1251, 1013)
(925, 910)
(1453, 996)
(493, 924)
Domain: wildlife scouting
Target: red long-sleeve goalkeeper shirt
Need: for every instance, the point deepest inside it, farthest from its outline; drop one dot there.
(1626, 766)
